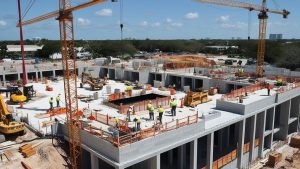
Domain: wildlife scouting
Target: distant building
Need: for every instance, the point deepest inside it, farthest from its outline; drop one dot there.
(27, 48)
(275, 36)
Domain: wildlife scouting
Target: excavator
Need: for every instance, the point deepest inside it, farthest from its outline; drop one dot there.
(95, 83)
(7, 125)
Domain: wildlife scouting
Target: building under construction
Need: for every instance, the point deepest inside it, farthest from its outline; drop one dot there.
(236, 120)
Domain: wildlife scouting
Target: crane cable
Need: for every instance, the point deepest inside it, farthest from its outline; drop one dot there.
(121, 26)
(249, 24)
(28, 7)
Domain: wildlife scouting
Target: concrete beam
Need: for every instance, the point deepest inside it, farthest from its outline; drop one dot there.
(241, 141)
(94, 161)
(193, 154)
(210, 151)
(252, 137)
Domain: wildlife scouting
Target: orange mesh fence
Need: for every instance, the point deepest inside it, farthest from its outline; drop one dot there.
(242, 91)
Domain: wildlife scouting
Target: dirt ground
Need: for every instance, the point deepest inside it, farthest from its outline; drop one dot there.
(48, 155)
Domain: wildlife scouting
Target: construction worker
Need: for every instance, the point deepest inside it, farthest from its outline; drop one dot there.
(51, 103)
(129, 111)
(138, 124)
(116, 122)
(173, 105)
(269, 89)
(150, 107)
(160, 113)
(57, 100)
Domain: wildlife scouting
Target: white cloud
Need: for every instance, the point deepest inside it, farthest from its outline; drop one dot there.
(169, 20)
(238, 25)
(176, 24)
(2, 23)
(156, 24)
(104, 12)
(192, 15)
(224, 18)
(83, 22)
(144, 23)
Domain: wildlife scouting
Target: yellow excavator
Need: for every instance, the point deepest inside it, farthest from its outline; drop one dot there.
(7, 125)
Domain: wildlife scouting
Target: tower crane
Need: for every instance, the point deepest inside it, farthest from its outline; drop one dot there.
(262, 16)
(65, 18)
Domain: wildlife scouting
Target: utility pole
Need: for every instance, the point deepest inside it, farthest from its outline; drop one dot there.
(22, 44)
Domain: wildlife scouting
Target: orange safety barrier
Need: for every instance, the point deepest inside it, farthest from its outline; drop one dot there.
(157, 129)
(215, 165)
(242, 91)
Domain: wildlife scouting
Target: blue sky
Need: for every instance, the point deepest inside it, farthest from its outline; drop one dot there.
(154, 19)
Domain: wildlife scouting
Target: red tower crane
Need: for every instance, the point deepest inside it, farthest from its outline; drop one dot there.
(262, 16)
(65, 18)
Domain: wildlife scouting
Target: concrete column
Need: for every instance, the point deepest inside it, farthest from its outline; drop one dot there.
(241, 141)
(170, 158)
(4, 80)
(210, 150)
(19, 76)
(193, 154)
(273, 121)
(54, 74)
(252, 137)
(182, 156)
(155, 162)
(36, 75)
(220, 140)
(182, 82)
(227, 137)
(94, 162)
(41, 73)
(261, 134)
(26, 76)
(193, 84)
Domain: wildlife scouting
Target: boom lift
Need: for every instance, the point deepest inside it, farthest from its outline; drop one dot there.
(65, 18)
(262, 16)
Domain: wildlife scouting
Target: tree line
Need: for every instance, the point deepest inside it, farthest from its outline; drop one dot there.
(282, 53)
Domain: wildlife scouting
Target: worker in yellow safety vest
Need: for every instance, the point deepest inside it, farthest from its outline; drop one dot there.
(57, 100)
(150, 108)
(160, 113)
(173, 105)
(51, 103)
(116, 122)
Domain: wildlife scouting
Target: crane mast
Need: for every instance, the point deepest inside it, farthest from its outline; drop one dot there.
(262, 16)
(65, 18)
(70, 81)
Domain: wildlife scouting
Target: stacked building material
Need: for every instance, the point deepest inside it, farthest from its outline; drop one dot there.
(273, 159)
(27, 150)
(295, 142)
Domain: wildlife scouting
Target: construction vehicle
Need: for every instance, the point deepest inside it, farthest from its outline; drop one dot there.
(262, 16)
(192, 99)
(65, 17)
(16, 95)
(29, 92)
(7, 125)
(95, 83)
